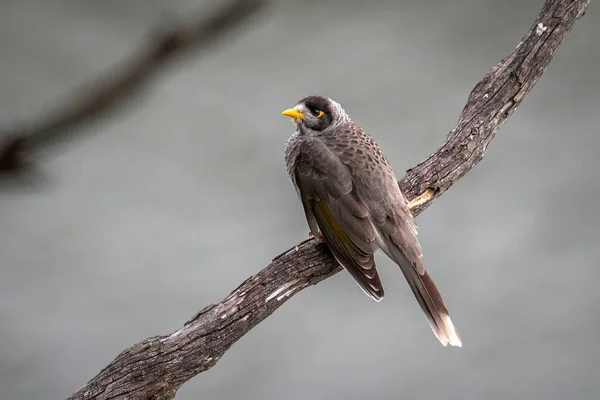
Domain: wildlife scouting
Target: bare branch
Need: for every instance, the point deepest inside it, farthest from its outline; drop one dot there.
(111, 91)
(156, 367)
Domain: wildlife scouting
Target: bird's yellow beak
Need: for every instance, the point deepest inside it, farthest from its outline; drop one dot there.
(292, 112)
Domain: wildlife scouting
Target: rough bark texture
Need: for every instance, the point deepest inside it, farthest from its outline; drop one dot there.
(156, 367)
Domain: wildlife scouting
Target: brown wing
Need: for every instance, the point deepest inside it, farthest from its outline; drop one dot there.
(331, 203)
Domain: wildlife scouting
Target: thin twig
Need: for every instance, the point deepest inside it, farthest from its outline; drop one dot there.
(18, 144)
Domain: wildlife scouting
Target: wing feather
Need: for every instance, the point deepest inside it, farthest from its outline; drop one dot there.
(331, 203)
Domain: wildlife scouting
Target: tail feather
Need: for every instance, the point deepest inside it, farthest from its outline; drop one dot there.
(431, 303)
(428, 297)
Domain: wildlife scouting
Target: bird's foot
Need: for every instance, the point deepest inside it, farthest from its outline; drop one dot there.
(316, 235)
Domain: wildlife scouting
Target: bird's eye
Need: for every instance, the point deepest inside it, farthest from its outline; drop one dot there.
(319, 113)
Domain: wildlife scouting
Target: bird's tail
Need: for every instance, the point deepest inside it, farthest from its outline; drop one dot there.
(429, 298)
(431, 302)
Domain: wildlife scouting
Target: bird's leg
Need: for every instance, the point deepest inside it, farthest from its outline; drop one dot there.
(316, 235)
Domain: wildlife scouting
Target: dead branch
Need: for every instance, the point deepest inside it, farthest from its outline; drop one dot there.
(108, 93)
(156, 367)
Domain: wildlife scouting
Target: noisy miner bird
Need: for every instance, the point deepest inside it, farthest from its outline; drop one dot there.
(352, 200)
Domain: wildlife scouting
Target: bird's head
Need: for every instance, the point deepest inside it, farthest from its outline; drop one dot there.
(316, 114)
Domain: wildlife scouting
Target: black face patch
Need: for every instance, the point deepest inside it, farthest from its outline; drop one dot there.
(316, 104)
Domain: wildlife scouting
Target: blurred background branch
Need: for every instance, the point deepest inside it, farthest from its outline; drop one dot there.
(19, 144)
(156, 367)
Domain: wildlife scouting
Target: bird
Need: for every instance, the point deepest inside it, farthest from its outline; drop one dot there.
(352, 201)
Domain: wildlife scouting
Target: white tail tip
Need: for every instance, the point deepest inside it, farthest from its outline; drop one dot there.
(451, 333)
(447, 333)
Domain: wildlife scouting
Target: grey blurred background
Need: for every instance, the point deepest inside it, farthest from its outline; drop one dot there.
(170, 203)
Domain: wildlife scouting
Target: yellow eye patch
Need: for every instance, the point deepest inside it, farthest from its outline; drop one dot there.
(320, 114)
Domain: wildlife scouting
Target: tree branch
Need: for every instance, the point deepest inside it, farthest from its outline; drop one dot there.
(107, 93)
(156, 367)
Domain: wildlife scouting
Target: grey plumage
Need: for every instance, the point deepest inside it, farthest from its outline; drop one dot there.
(351, 197)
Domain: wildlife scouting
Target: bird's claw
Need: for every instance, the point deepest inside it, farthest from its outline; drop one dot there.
(316, 235)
